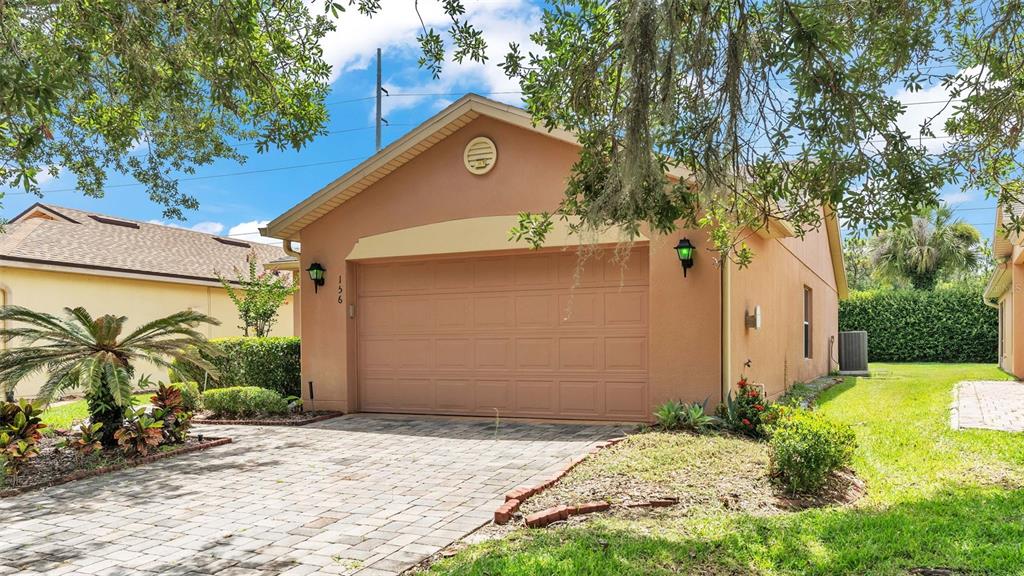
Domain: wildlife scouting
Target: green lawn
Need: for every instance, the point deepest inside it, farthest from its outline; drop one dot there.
(936, 499)
(63, 416)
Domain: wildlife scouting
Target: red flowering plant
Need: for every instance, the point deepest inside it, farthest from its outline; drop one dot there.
(743, 408)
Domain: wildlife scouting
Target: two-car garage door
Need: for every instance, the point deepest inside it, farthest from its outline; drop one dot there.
(505, 335)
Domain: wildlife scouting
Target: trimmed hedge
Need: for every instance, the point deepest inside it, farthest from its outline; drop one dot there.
(949, 324)
(271, 362)
(244, 402)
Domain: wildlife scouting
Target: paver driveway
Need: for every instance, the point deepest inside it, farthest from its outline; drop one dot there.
(361, 494)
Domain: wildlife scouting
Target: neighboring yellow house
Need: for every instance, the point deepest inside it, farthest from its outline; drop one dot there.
(53, 257)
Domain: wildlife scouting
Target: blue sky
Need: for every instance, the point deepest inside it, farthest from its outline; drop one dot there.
(270, 183)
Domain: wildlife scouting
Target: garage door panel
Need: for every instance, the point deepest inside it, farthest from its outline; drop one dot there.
(492, 313)
(580, 397)
(578, 353)
(581, 310)
(453, 275)
(503, 333)
(414, 393)
(413, 353)
(492, 273)
(536, 353)
(626, 353)
(376, 353)
(376, 316)
(455, 395)
(626, 400)
(494, 394)
(453, 313)
(494, 354)
(626, 308)
(453, 353)
(536, 397)
(536, 311)
(538, 272)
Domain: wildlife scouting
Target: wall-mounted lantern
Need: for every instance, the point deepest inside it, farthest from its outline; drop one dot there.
(684, 249)
(316, 274)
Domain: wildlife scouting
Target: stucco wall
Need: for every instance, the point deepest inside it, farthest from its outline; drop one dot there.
(139, 300)
(775, 281)
(1015, 295)
(529, 175)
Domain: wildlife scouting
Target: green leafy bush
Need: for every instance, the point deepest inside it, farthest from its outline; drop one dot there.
(271, 362)
(20, 432)
(692, 417)
(949, 324)
(244, 402)
(191, 398)
(806, 448)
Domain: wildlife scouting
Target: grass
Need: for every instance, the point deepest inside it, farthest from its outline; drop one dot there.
(937, 498)
(63, 416)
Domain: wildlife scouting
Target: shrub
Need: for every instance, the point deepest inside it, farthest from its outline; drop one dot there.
(168, 408)
(139, 434)
(743, 408)
(244, 402)
(20, 432)
(674, 415)
(191, 398)
(806, 448)
(271, 362)
(950, 324)
(87, 441)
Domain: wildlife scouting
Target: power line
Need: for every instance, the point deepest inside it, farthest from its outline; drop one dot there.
(209, 176)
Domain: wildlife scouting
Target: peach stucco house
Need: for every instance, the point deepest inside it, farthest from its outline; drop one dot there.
(1005, 291)
(428, 308)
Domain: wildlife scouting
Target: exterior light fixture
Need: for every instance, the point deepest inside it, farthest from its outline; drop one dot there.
(684, 249)
(316, 274)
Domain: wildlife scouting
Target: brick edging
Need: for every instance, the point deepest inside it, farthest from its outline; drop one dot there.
(514, 498)
(270, 422)
(83, 474)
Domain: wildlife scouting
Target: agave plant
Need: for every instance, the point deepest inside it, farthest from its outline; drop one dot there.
(82, 352)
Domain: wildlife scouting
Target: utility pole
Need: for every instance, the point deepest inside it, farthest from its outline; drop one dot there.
(379, 89)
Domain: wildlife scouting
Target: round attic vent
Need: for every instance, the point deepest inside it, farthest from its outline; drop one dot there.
(480, 155)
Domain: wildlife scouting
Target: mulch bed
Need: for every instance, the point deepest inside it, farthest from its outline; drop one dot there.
(292, 419)
(56, 466)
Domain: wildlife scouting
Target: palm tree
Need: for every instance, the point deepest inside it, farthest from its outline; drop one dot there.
(88, 353)
(933, 246)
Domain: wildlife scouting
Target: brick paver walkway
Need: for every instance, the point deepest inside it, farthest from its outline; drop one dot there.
(995, 405)
(366, 495)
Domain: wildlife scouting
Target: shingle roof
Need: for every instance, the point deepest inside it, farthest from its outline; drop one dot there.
(89, 240)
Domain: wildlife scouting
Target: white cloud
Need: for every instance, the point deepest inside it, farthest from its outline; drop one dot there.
(205, 227)
(394, 28)
(932, 103)
(249, 231)
(209, 227)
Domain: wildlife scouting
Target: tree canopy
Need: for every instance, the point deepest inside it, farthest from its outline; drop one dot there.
(768, 110)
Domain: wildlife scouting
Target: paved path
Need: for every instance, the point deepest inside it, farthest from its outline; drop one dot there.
(366, 495)
(995, 405)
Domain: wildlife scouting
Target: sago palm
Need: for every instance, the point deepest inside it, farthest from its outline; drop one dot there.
(933, 246)
(82, 352)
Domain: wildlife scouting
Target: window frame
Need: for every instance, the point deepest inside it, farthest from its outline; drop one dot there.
(808, 322)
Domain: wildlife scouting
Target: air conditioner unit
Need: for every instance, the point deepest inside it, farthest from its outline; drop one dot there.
(853, 353)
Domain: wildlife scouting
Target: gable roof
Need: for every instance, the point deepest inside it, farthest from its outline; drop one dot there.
(421, 138)
(413, 143)
(48, 236)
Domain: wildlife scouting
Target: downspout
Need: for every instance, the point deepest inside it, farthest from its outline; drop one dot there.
(726, 328)
(287, 246)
